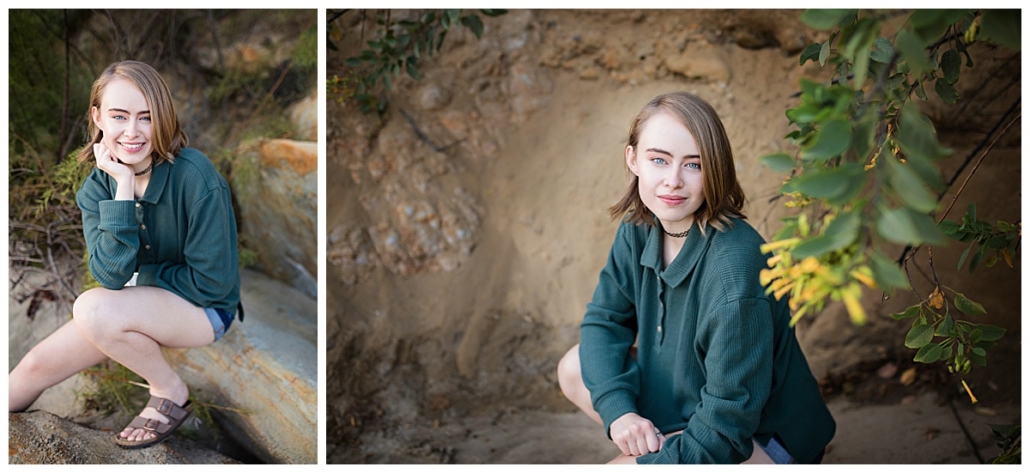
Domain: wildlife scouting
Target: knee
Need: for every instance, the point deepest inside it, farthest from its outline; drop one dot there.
(92, 312)
(570, 375)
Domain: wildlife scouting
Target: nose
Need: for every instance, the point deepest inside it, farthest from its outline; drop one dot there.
(673, 179)
(131, 129)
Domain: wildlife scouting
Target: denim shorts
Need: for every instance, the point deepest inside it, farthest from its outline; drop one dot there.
(220, 319)
(779, 454)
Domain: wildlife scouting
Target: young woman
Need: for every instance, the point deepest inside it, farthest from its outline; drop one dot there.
(716, 374)
(161, 236)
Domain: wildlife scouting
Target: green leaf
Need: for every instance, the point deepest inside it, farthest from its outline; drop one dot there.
(828, 184)
(863, 136)
(909, 187)
(911, 48)
(916, 135)
(946, 326)
(473, 23)
(971, 211)
(945, 91)
(779, 162)
(979, 356)
(949, 227)
(823, 19)
(1001, 27)
(831, 140)
(965, 254)
(967, 306)
(930, 24)
(838, 234)
(824, 52)
(928, 353)
(811, 52)
(412, 69)
(494, 12)
(887, 273)
(975, 260)
(991, 333)
(910, 313)
(951, 63)
(882, 51)
(905, 226)
(919, 336)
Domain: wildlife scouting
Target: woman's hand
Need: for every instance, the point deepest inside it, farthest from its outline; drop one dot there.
(122, 173)
(635, 435)
(109, 164)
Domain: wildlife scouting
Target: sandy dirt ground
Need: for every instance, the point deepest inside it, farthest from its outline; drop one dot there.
(467, 227)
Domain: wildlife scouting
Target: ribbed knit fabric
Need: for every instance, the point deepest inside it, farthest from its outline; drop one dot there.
(180, 236)
(716, 357)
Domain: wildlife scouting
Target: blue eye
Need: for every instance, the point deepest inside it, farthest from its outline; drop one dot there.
(145, 118)
(694, 165)
(658, 160)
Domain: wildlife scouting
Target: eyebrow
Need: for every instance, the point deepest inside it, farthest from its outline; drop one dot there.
(126, 111)
(662, 151)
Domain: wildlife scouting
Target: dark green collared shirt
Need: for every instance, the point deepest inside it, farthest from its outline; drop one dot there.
(716, 356)
(180, 236)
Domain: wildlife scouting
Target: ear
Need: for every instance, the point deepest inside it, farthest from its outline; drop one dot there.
(631, 160)
(95, 112)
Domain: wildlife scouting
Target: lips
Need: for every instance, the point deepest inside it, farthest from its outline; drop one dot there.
(672, 200)
(132, 147)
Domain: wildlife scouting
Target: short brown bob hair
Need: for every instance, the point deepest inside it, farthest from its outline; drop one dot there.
(724, 199)
(168, 136)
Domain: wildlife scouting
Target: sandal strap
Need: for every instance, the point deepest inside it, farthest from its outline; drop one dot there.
(167, 408)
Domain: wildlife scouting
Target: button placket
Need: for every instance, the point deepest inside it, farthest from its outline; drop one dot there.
(661, 311)
(143, 235)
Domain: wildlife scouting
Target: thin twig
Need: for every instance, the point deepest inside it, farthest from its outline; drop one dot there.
(909, 250)
(977, 165)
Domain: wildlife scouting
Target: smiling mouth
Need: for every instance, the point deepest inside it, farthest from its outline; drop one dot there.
(132, 146)
(672, 199)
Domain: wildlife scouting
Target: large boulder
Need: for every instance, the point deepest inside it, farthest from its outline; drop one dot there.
(265, 370)
(39, 437)
(275, 183)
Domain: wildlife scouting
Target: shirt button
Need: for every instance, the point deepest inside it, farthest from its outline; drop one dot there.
(659, 329)
(144, 227)
(148, 247)
(137, 204)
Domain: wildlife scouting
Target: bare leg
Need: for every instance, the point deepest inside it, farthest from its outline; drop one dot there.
(130, 325)
(570, 378)
(55, 359)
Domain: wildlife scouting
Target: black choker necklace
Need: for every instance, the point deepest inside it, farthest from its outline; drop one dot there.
(677, 235)
(152, 167)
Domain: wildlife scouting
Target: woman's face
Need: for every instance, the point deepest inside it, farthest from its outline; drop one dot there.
(667, 162)
(124, 117)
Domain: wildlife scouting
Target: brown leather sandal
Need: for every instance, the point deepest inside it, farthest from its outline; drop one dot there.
(175, 414)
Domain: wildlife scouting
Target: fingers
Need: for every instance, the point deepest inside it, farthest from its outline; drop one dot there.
(635, 436)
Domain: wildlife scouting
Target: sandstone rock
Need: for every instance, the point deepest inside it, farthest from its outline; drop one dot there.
(275, 183)
(433, 97)
(705, 64)
(40, 437)
(304, 115)
(266, 370)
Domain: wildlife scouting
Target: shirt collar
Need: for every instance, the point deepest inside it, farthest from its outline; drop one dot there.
(684, 262)
(158, 179)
